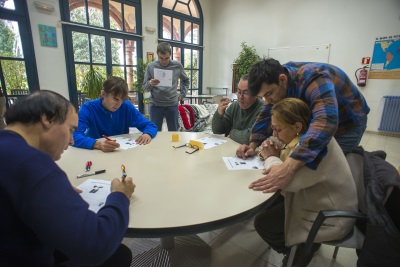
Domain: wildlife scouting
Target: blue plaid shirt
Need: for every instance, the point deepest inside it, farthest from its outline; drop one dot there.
(335, 102)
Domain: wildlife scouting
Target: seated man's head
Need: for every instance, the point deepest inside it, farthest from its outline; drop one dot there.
(268, 79)
(115, 91)
(48, 119)
(290, 118)
(245, 99)
(164, 53)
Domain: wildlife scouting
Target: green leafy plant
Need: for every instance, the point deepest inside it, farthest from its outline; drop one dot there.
(245, 60)
(92, 83)
(137, 85)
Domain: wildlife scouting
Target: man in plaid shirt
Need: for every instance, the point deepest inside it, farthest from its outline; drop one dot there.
(338, 109)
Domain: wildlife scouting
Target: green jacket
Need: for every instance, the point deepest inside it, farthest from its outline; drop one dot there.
(237, 122)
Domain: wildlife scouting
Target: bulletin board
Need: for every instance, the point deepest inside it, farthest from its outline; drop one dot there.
(310, 53)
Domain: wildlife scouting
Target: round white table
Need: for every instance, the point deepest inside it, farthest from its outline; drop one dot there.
(177, 194)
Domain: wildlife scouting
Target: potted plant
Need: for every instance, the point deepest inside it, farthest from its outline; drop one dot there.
(137, 85)
(92, 83)
(242, 64)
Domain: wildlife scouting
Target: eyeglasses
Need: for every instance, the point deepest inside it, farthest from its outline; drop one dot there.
(276, 129)
(243, 93)
(196, 148)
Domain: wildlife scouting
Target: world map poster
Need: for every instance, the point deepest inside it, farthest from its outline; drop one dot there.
(386, 58)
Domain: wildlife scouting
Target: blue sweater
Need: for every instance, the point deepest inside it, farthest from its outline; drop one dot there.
(41, 212)
(95, 121)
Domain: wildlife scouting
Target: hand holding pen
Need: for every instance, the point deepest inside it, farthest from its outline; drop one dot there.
(107, 145)
(123, 173)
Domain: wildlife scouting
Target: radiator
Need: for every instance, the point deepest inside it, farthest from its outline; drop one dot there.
(390, 121)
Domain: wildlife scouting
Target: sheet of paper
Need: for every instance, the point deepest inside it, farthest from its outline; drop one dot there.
(95, 193)
(164, 76)
(125, 143)
(235, 163)
(211, 141)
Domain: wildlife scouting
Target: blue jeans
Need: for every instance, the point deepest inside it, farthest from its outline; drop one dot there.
(171, 114)
(352, 138)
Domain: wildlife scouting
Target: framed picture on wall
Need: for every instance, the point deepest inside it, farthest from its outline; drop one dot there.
(150, 56)
(48, 35)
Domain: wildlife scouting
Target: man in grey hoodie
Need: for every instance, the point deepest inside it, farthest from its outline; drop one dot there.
(165, 97)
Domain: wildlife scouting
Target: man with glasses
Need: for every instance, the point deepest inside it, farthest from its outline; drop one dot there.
(237, 120)
(338, 109)
(165, 97)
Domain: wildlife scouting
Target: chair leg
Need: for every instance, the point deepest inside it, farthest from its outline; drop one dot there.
(291, 256)
(335, 252)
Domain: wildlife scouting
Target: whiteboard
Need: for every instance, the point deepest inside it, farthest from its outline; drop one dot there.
(311, 53)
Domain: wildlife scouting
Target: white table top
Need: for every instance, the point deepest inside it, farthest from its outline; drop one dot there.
(176, 193)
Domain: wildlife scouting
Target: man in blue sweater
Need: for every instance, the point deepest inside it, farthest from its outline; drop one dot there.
(41, 213)
(110, 115)
(165, 97)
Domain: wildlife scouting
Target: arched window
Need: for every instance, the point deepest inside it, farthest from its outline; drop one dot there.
(101, 35)
(181, 24)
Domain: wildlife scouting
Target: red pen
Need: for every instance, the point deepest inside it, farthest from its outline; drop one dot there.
(108, 138)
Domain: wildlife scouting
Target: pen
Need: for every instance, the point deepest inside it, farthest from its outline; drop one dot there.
(88, 165)
(108, 138)
(123, 173)
(90, 173)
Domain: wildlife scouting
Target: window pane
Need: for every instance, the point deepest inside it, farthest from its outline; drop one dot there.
(9, 4)
(195, 64)
(129, 18)
(80, 42)
(10, 40)
(98, 49)
(188, 59)
(130, 76)
(115, 15)
(80, 71)
(195, 82)
(177, 29)
(188, 32)
(166, 27)
(193, 9)
(182, 8)
(14, 72)
(78, 14)
(95, 13)
(118, 71)
(102, 69)
(117, 51)
(130, 52)
(168, 4)
(196, 34)
(176, 54)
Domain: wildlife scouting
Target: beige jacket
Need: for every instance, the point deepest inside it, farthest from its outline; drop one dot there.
(330, 187)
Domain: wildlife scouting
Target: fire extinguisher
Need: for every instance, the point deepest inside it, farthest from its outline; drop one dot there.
(362, 76)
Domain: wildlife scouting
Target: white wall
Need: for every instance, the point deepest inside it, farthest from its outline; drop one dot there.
(50, 61)
(349, 26)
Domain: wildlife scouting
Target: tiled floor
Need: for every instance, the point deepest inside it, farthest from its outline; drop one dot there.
(240, 246)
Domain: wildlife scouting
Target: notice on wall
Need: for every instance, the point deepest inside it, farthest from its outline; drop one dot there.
(386, 58)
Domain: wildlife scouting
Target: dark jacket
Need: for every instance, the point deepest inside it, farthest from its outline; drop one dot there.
(382, 236)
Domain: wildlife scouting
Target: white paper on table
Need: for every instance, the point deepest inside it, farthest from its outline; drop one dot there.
(95, 193)
(125, 143)
(211, 141)
(236, 163)
(164, 76)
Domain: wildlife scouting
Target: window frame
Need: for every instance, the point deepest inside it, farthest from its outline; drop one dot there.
(21, 16)
(69, 26)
